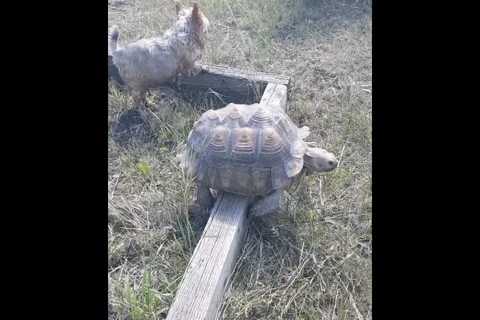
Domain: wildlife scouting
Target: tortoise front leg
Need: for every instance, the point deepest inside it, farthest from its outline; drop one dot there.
(268, 204)
(204, 198)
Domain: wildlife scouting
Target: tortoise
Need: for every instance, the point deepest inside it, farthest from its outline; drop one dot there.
(252, 150)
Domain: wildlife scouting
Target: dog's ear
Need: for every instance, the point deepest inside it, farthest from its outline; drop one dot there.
(196, 15)
(178, 7)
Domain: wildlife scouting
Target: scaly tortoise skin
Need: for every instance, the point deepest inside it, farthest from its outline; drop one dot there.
(252, 150)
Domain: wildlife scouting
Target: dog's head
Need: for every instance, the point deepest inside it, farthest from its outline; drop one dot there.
(194, 19)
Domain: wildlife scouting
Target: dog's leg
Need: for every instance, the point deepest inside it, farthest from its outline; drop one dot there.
(138, 96)
(129, 90)
(148, 105)
(143, 99)
(178, 81)
(133, 92)
(196, 68)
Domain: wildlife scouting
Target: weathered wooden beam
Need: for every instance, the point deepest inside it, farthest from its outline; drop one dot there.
(234, 84)
(225, 79)
(276, 95)
(201, 291)
(200, 294)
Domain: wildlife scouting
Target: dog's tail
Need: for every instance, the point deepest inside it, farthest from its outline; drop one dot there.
(113, 35)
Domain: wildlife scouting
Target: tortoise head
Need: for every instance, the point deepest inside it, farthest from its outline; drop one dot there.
(319, 160)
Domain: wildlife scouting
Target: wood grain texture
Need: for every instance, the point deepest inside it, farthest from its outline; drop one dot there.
(200, 294)
(229, 84)
(275, 95)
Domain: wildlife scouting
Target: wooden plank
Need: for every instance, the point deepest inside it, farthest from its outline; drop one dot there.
(275, 94)
(234, 84)
(215, 76)
(241, 86)
(200, 294)
(201, 290)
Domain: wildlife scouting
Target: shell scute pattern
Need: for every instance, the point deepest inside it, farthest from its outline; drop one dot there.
(246, 149)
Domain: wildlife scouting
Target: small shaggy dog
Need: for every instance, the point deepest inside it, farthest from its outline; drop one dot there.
(147, 63)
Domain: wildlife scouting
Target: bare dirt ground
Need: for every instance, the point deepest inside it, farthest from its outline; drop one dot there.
(310, 260)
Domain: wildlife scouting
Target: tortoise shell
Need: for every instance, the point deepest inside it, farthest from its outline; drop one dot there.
(246, 149)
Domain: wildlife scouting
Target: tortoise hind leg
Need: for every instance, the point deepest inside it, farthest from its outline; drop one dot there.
(204, 198)
(267, 204)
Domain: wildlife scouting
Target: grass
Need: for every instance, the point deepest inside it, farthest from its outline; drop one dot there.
(310, 260)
